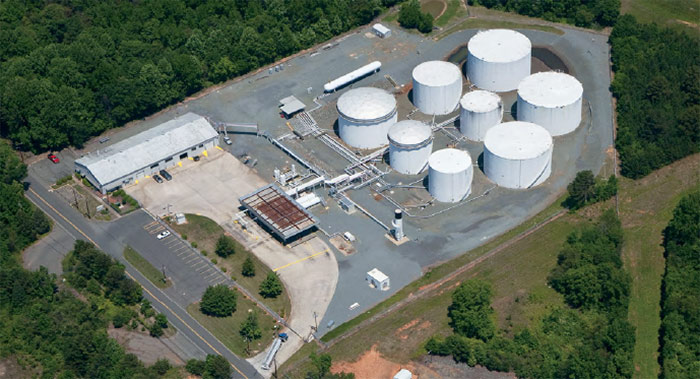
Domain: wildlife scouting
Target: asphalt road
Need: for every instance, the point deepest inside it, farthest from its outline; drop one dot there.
(110, 237)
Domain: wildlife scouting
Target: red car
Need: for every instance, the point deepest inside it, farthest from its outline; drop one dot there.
(53, 158)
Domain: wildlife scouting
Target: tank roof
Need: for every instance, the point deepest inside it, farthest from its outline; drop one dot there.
(436, 73)
(450, 161)
(550, 89)
(499, 46)
(518, 140)
(366, 103)
(480, 101)
(409, 133)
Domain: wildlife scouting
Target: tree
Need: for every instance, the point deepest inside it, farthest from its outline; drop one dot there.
(322, 363)
(162, 320)
(271, 287)
(161, 366)
(248, 268)
(217, 367)
(218, 301)
(250, 330)
(195, 367)
(225, 246)
(11, 168)
(411, 17)
(582, 189)
(156, 330)
(470, 311)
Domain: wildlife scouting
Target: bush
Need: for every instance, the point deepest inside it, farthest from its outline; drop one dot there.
(248, 268)
(184, 237)
(194, 244)
(271, 287)
(225, 246)
(214, 261)
(411, 17)
(162, 320)
(155, 330)
(122, 317)
(195, 367)
(218, 301)
(161, 366)
(470, 312)
(586, 189)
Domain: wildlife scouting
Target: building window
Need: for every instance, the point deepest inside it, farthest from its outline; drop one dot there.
(154, 165)
(168, 159)
(183, 155)
(194, 148)
(201, 145)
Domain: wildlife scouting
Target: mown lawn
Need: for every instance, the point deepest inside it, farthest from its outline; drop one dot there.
(678, 14)
(205, 232)
(226, 329)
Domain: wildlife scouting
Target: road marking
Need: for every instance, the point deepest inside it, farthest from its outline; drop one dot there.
(134, 279)
(208, 276)
(180, 248)
(150, 224)
(188, 252)
(172, 242)
(156, 230)
(192, 260)
(301, 260)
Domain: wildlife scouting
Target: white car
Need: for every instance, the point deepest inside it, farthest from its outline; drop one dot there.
(163, 234)
(227, 140)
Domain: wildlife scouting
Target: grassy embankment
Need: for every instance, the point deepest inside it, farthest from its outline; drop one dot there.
(145, 267)
(518, 275)
(205, 232)
(678, 14)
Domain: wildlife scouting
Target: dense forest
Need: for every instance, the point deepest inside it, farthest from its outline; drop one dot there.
(590, 337)
(680, 296)
(70, 70)
(585, 13)
(43, 324)
(657, 86)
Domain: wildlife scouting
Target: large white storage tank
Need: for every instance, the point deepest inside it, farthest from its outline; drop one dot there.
(450, 175)
(410, 145)
(365, 116)
(518, 154)
(437, 87)
(552, 100)
(498, 59)
(481, 110)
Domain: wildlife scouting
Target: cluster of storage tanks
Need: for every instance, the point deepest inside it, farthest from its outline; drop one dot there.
(516, 154)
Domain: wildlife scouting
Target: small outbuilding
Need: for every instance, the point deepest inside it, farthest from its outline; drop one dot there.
(291, 105)
(378, 280)
(403, 374)
(381, 31)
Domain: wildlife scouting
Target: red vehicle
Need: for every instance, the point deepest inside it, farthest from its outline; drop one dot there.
(53, 158)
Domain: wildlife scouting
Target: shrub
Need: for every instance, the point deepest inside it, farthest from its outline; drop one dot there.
(248, 268)
(155, 330)
(194, 244)
(214, 261)
(162, 320)
(225, 246)
(122, 317)
(184, 237)
(195, 367)
(218, 301)
(161, 366)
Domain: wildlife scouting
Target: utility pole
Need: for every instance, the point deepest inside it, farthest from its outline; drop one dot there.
(165, 278)
(315, 322)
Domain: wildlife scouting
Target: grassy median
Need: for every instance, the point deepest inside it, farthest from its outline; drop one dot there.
(146, 268)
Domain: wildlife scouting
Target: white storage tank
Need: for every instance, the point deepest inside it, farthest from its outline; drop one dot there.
(498, 59)
(481, 110)
(437, 87)
(450, 175)
(518, 154)
(365, 116)
(552, 100)
(410, 145)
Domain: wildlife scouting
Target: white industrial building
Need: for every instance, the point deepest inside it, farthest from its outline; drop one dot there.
(518, 154)
(148, 152)
(552, 100)
(352, 76)
(365, 116)
(498, 59)
(381, 31)
(480, 110)
(410, 145)
(437, 87)
(450, 175)
(378, 280)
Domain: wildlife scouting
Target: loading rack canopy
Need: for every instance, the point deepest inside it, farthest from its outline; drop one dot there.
(280, 213)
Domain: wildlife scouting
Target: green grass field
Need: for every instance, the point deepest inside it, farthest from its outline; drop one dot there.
(678, 14)
(205, 232)
(646, 207)
(453, 10)
(145, 267)
(434, 7)
(225, 329)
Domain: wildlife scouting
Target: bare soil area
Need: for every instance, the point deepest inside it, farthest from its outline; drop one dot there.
(145, 347)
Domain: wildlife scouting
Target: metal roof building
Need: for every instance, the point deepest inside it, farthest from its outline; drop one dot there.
(148, 152)
(291, 105)
(279, 212)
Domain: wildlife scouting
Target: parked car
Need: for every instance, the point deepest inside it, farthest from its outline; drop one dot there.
(166, 175)
(163, 234)
(53, 158)
(196, 158)
(157, 178)
(227, 140)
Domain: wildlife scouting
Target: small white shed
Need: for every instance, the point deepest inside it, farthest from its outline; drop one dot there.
(378, 280)
(381, 31)
(403, 374)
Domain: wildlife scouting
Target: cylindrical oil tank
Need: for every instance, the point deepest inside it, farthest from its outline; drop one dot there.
(498, 59)
(481, 110)
(552, 100)
(450, 175)
(410, 145)
(365, 116)
(437, 87)
(518, 154)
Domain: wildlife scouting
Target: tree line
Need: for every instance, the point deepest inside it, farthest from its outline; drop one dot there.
(589, 337)
(657, 87)
(584, 13)
(70, 70)
(680, 292)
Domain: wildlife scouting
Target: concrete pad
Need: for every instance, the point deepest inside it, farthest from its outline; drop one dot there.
(49, 251)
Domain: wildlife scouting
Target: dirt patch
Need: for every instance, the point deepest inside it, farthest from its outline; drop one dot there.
(145, 347)
(9, 368)
(371, 365)
(407, 326)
